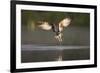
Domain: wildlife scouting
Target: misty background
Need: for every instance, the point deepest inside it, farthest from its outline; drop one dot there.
(77, 33)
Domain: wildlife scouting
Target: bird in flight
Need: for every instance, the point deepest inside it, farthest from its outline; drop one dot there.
(57, 28)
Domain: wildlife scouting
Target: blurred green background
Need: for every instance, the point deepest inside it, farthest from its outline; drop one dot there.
(77, 33)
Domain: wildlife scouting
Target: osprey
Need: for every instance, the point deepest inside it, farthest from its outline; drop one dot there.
(57, 28)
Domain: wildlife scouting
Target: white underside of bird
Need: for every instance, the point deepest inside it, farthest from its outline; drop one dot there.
(59, 37)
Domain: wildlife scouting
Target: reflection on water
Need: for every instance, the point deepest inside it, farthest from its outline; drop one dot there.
(40, 53)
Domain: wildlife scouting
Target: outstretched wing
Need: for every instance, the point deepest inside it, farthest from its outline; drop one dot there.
(65, 22)
(45, 26)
